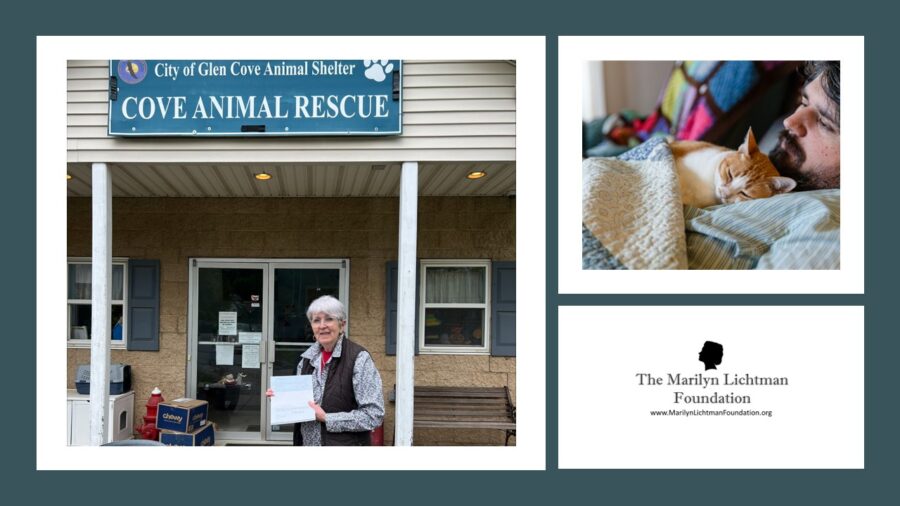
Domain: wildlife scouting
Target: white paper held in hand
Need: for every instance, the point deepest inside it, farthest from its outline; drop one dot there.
(290, 404)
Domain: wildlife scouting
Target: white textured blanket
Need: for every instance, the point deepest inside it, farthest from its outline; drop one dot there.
(633, 208)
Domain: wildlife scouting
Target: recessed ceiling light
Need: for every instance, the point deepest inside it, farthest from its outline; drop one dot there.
(263, 176)
(476, 174)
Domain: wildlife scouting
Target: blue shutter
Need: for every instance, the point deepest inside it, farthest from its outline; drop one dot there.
(390, 310)
(143, 305)
(503, 309)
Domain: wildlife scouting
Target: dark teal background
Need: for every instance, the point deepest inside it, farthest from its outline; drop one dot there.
(875, 484)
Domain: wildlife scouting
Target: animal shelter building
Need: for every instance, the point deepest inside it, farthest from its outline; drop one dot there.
(228, 195)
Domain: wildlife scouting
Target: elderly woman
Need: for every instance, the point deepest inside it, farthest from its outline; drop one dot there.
(346, 386)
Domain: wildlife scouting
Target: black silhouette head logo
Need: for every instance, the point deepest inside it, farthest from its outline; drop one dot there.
(711, 354)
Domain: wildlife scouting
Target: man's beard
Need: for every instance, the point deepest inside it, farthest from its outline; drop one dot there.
(788, 157)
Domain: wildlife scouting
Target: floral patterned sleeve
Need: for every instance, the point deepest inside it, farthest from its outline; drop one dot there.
(369, 397)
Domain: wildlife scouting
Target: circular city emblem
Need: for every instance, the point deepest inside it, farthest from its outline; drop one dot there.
(132, 71)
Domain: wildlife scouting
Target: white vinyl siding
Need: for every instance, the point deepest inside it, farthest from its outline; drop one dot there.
(452, 111)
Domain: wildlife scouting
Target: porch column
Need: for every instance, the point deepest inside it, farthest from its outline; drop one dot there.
(101, 283)
(406, 304)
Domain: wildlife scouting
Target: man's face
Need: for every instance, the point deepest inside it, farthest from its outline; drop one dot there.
(809, 148)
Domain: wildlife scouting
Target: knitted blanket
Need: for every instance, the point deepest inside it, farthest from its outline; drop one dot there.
(632, 213)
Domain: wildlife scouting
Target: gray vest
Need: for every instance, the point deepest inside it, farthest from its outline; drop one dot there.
(338, 396)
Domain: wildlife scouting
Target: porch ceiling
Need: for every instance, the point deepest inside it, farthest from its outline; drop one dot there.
(295, 180)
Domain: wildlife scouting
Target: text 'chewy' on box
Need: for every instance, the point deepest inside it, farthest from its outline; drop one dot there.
(182, 415)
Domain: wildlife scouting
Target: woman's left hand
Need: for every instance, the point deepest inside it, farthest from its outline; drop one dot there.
(320, 415)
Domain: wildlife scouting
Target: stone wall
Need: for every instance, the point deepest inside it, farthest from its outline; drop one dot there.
(365, 230)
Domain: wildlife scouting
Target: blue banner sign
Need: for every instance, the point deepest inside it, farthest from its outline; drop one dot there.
(254, 97)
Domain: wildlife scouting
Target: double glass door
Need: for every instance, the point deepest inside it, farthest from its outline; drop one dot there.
(248, 323)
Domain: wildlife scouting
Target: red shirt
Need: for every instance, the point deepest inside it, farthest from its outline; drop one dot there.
(326, 356)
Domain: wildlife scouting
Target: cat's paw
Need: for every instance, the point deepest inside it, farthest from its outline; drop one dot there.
(377, 70)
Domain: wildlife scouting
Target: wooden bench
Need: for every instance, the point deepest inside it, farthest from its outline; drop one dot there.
(463, 408)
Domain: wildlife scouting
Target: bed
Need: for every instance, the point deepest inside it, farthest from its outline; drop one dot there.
(633, 218)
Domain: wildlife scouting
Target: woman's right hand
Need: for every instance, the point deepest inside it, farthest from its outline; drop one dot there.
(270, 393)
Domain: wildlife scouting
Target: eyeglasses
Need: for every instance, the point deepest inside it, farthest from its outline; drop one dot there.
(328, 319)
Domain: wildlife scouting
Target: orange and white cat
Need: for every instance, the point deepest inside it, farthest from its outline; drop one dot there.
(711, 175)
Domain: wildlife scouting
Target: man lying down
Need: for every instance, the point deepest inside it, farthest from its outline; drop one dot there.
(634, 218)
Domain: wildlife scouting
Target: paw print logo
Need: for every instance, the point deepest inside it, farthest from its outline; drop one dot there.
(377, 70)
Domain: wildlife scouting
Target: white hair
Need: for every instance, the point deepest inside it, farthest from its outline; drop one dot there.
(328, 305)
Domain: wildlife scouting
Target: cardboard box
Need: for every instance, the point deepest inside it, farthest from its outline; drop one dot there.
(204, 436)
(182, 415)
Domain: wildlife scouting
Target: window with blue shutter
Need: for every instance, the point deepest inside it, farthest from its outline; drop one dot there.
(454, 307)
(80, 304)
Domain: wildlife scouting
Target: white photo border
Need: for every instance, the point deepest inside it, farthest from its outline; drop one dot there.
(575, 51)
(528, 53)
(819, 416)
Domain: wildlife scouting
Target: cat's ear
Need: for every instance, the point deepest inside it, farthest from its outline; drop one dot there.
(781, 184)
(749, 146)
